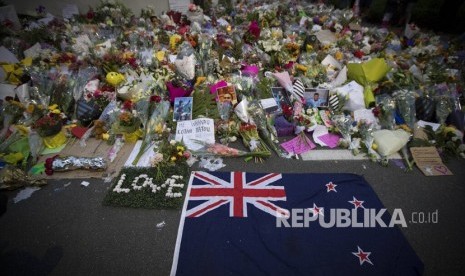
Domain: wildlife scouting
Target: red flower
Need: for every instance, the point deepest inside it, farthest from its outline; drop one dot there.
(90, 14)
(287, 109)
(127, 105)
(376, 111)
(155, 98)
(358, 54)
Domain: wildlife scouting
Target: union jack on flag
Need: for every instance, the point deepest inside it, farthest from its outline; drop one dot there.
(238, 193)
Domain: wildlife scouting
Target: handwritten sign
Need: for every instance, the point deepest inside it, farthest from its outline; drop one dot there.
(189, 132)
(298, 145)
(429, 161)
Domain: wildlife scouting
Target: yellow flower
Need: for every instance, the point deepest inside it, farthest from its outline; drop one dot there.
(56, 111)
(180, 153)
(339, 55)
(127, 55)
(160, 55)
(174, 40)
(309, 48)
(200, 80)
(52, 107)
(105, 136)
(301, 67)
(159, 128)
(180, 148)
(30, 108)
(173, 158)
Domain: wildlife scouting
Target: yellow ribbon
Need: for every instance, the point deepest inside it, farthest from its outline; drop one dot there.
(55, 141)
(133, 136)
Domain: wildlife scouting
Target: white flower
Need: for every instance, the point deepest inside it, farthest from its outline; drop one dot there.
(173, 142)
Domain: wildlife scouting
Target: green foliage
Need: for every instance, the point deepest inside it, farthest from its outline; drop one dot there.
(204, 104)
(263, 88)
(237, 50)
(41, 34)
(445, 141)
(145, 198)
(253, 16)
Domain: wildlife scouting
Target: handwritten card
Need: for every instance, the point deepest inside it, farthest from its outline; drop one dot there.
(189, 132)
(298, 145)
(429, 161)
(330, 139)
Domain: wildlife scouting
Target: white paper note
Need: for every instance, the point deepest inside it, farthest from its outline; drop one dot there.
(189, 132)
(423, 124)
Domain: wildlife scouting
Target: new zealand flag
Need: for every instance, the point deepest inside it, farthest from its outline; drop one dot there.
(289, 224)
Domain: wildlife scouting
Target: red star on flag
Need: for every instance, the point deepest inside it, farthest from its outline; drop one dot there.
(362, 256)
(357, 203)
(317, 210)
(330, 187)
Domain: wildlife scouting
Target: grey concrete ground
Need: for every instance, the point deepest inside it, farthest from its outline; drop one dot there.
(66, 231)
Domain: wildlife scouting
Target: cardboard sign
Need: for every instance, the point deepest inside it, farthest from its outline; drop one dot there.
(189, 132)
(429, 161)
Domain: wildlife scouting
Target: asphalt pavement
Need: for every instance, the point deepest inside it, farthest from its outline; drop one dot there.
(63, 229)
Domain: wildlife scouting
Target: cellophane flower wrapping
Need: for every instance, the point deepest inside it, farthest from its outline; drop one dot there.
(387, 108)
(344, 125)
(185, 61)
(405, 102)
(366, 132)
(157, 118)
(252, 140)
(265, 129)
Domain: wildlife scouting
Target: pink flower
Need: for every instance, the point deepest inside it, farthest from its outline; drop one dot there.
(186, 155)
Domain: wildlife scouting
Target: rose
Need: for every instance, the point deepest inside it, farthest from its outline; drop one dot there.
(127, 105)
(359, 54)
(186, 155)
(155, 98)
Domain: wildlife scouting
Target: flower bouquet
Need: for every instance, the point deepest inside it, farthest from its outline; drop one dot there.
(154, 125)
(127, 123)
(221, 150)
(366, 132)
(48, 125)
(173, 153)
(252, 140)
(265, 129)
(385, 111)
(344, 126)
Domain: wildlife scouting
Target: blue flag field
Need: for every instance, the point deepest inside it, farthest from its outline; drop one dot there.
(239, 223)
